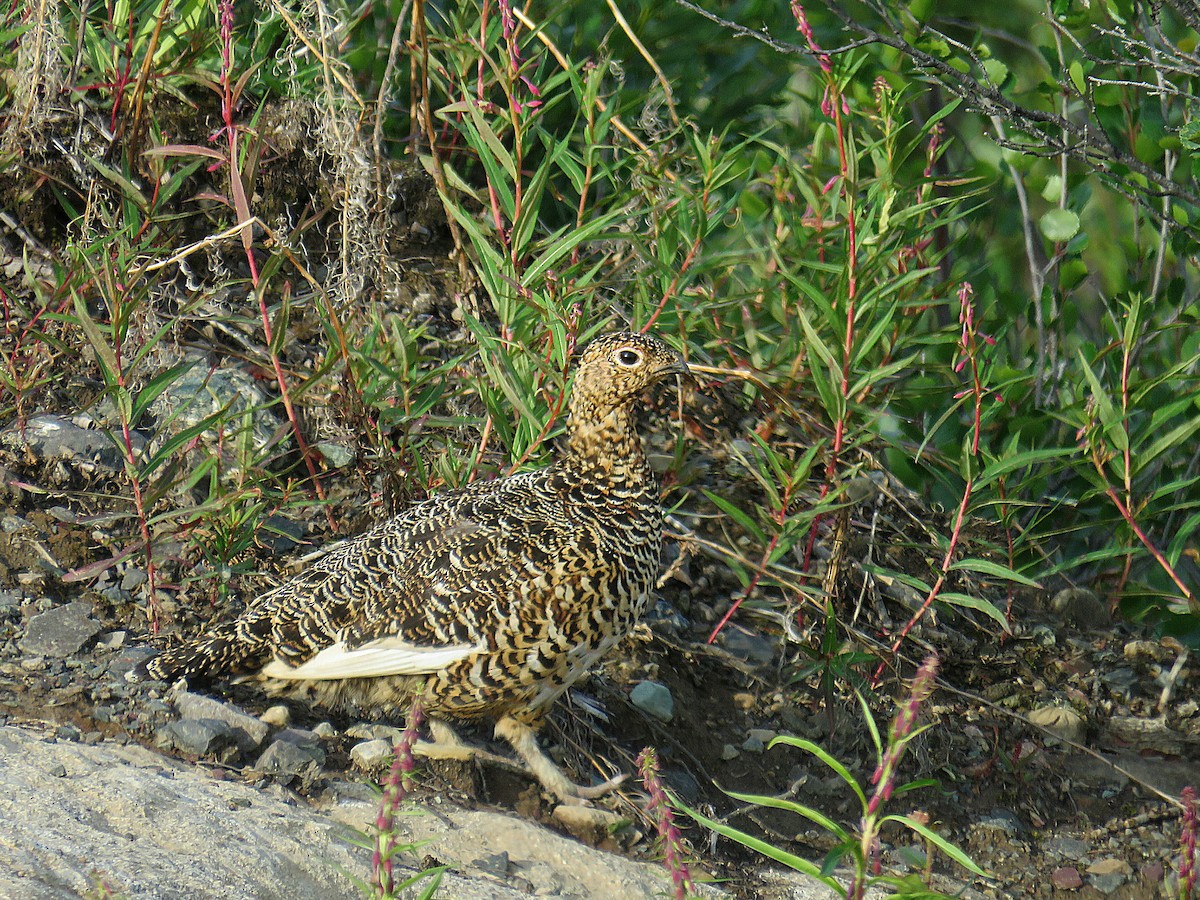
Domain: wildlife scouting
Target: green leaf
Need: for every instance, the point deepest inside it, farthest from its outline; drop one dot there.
(940, 842)
(1059, 225)
(768, 850)
(1077, 78)
(987, 567)
(833, 763)
(736, 513)
(968, 602)
(154, 388)
(1110, 416)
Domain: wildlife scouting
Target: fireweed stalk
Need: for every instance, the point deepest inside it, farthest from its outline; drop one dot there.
(395, 786)
(660, 810)
(884, 778)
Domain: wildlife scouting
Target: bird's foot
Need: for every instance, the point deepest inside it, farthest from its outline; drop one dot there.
(446, 744)
(524, 741)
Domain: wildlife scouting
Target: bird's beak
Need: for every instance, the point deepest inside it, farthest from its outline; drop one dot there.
(678, 367)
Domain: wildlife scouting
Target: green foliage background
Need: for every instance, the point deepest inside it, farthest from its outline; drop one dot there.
(811, 226)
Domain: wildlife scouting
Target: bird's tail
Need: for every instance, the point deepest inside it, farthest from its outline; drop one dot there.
(229, 647)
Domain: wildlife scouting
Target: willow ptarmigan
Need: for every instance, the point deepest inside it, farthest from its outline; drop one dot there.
(489, 600)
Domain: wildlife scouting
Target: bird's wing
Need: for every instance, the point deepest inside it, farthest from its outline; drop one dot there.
(421, 591)
(384, 656)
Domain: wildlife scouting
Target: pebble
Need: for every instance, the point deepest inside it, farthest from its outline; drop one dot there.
(588, 823)
(1066, 879)
(1002, 820)
(763, 735)
(198, 737)
(370, 754)
(373, 731)
(744, 700)
(753, 744)
(729, 752)
(87, 450)
(653, 698)
(1067, 847)
(747, 646)
(1063, 722)
(279, 535)
(248, 731)
(286, 760)
(276, 716)
(324, 730)
(60, 631)
(1080, 607)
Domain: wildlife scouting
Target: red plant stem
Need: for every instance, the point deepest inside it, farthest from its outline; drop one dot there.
(1147, 543)
(395, 785)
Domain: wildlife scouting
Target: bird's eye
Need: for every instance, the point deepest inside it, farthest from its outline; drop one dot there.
(628, 357)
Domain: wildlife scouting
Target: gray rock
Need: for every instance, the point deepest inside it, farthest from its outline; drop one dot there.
(653, 698)
(1068, 847)
(54, 439)
(369, 754)
(324, 730)
(276, 716)
(60, 631)
(199, 737)
(371, 731)
(286, 760)
(128, 659)
(248, 731)
(753, 744)
(230, 393)
(747, 646)
(71, 809)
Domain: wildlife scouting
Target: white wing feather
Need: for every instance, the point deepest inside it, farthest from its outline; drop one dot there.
(386, 656)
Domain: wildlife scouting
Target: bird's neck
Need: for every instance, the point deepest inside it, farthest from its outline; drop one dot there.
(607, 448)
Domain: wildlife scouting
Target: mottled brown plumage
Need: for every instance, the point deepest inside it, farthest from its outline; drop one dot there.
(489, 600)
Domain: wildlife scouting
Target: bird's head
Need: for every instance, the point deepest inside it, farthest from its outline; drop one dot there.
(615, 368)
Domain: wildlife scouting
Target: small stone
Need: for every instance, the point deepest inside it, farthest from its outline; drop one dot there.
(60, 631)
(1067, 847)
(1004, 821)
(370, 754)
(753, 744)
(128, 659)
(277, 716)
(324, 731)
(746, 645)
(279, 535)
(764, 735)
(744, 700)
(494, 864)
(588, 823)
(1063, 722)
(286, 760)
(1152, 872)
(653, 698)
(199, 737)
(133, 578)
(58, 770)
(248, 731)
(112, 641)
(372, 731)
(1110, 866)
(729, 752)
(1066, 879)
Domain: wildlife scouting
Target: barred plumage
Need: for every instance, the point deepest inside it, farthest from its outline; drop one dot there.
(489, 600)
